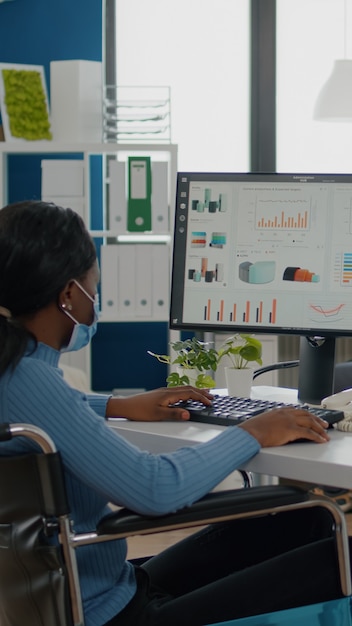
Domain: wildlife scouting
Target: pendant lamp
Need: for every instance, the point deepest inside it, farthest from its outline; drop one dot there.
(334, 102)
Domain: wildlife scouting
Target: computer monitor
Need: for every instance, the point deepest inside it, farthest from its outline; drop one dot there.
(266, 253)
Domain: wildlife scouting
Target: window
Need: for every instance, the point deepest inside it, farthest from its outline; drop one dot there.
(200, 48)
(310, 36)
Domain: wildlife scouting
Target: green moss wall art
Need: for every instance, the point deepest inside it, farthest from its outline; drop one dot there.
(24, 103)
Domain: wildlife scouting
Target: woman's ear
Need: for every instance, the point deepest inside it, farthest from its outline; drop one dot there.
(65, 297)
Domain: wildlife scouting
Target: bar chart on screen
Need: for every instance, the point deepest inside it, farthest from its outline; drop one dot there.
(249, 312)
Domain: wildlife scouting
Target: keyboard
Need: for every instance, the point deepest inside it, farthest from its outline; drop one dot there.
(231, 411)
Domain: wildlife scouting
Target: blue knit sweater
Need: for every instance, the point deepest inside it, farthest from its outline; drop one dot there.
(102, 467)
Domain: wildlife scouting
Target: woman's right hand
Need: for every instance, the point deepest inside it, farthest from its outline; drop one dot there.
(157, 405)
(280, 426)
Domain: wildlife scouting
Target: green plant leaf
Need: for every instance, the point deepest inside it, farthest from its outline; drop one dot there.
(241, 349)
(192, 354)
(175, 380)
(205, 381)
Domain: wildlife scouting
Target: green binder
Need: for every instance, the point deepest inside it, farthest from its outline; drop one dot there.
(139, 205)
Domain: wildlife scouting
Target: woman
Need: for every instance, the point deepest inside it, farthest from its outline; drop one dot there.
(48, 285)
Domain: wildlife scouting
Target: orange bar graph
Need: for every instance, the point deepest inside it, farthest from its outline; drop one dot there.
(251, 311)
(285, 221)
(273, 315)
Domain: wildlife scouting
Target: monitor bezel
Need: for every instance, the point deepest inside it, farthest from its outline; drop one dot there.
(177, 287)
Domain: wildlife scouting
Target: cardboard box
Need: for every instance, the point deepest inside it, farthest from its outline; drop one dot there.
(76, 101)
(62, 177)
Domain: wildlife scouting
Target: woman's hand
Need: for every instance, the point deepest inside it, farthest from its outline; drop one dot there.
(154, 406)
(280, 426)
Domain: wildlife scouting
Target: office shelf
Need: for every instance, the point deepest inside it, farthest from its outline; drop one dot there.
(164, 152)
(95, 210)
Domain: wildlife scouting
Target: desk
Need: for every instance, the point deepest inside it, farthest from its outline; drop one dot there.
(326, 464)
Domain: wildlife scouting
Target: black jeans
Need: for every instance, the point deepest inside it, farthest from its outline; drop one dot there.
(233, 570)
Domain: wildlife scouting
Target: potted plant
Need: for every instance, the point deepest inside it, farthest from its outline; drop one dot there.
(241, 349)
(194, 359)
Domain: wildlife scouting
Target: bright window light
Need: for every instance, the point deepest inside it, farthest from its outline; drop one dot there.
(310, 36)
(200, 48)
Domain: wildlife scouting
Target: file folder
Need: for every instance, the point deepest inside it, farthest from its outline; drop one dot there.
(160, 197)
(143, 278)
(117, 196)
(109, 282)
(135, 282)
(126, 281)
(139, 208)
(160, 282)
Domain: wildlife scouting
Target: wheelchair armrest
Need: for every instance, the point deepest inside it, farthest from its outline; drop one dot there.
(215, 506)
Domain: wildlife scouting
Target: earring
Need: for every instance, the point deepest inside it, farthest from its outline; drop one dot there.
(67, 306)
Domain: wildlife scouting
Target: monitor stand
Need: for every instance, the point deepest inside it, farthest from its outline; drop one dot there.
(316, 369)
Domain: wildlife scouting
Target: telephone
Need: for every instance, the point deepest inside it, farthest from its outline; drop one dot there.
(341, 401)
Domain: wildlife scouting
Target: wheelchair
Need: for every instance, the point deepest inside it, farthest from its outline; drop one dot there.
(39, 582)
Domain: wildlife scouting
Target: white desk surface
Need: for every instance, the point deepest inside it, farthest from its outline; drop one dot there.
(326, 464)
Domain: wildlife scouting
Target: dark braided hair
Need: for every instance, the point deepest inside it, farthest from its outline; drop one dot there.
(42, 247)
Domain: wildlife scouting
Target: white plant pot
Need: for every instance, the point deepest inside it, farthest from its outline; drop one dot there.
(239, 381)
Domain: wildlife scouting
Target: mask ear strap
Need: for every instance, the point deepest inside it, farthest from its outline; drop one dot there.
(66, 308)
(4, 312)
(83, 290)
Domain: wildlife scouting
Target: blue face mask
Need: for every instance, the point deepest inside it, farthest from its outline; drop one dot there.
(82, 333)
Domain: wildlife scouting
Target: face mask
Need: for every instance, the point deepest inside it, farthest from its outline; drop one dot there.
(82, 333)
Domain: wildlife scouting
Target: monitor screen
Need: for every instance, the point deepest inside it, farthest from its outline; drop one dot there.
(263, 253)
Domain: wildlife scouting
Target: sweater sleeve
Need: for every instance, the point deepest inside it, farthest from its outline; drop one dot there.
(98, 402)
(106, 462)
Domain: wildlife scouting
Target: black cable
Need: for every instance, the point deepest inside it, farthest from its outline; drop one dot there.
(275, 366)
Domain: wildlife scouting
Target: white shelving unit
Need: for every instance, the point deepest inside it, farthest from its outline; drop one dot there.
(163, 151)
(157, 152)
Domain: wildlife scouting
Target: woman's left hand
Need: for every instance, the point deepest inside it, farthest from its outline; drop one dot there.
(156, 405)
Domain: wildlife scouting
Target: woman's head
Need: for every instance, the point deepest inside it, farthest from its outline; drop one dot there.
(42, 247)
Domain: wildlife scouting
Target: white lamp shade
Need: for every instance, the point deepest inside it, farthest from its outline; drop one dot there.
(334, 103)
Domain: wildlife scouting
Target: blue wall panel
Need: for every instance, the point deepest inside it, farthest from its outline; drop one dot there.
(120, 354)
(36, 32)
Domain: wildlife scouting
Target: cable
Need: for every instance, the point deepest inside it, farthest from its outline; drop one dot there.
(275, 366)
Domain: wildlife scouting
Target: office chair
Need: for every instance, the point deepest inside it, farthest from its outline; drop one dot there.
(39, 584)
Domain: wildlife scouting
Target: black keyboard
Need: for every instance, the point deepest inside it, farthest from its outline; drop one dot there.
(229, 411)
